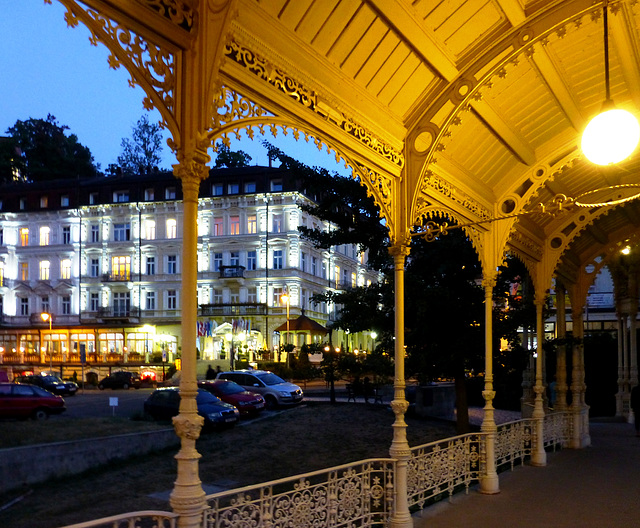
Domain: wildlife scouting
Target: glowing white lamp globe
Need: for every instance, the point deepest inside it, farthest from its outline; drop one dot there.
(611, 136)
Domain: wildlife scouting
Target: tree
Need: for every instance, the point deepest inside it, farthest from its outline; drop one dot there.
(231, 159)
(142, 153)
(45, 153)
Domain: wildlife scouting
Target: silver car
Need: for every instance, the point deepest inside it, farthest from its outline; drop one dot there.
(274, 389)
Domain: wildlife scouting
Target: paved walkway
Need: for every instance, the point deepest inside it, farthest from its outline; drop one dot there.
(598, 486)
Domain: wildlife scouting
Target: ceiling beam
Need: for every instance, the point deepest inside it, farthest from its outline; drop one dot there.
(597, 233)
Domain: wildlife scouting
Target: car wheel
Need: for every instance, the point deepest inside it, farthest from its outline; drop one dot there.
(125, 386)
(101, 386)
(270, 402)
(40, 414)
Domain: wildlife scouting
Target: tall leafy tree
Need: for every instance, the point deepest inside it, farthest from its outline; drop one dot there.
(230, 158)
(143, 152)
(45, 153)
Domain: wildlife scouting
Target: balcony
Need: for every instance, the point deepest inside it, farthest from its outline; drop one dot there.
(111, 314)
(213, 310)
(116, 277)
(232, 272)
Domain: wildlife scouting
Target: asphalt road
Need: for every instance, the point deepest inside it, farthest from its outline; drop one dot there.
(108, 402)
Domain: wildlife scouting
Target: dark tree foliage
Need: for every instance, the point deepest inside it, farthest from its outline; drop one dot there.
(143, 152)
(343, 202)
(47, 152)
(12, 163)
(231, 159)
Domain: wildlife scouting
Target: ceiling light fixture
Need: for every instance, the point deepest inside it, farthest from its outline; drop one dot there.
(613, 134)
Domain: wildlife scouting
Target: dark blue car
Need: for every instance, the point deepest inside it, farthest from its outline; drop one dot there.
(163, 404)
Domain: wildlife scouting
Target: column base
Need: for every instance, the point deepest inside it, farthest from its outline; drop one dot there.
(539, 459)
(490, 485)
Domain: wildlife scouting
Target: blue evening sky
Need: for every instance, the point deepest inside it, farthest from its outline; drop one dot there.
(48, 68)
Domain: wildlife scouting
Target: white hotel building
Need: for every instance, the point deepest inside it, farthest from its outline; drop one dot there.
(103, 257)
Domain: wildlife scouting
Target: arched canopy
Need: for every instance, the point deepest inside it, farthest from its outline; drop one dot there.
(466, 109)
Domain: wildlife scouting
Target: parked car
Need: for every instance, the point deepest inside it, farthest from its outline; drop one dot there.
(230, 392)
(51, 383)
(120, 380)
(273, 389)
(18, 400)
(163, 404)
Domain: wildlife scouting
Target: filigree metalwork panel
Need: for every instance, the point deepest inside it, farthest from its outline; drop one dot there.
(443, 467)
(558, 429)
(513, 442)
(152, 64)
(277, 77)
(179, 13)
(347, 496)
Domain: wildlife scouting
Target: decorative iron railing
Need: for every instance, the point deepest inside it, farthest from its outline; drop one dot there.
(361, 494)
(351, 495)
(140, 519)
(444, 467)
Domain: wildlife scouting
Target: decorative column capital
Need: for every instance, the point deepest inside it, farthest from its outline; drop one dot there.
(489, 279)
(192, 167)
(399, 250)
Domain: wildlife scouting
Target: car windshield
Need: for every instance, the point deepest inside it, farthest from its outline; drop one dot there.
(206, 397)
(269, 378)
(52, 379)
(41, 392)
(229, 387)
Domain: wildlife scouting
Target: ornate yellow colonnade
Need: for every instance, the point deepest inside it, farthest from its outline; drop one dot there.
(464, 111)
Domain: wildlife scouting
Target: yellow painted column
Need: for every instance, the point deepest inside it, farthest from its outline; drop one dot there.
(400, 517)
(187, 497)
(538, 454)
(489, 482)
(561, 334)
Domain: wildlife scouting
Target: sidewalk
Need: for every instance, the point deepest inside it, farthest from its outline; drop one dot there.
(597, 486)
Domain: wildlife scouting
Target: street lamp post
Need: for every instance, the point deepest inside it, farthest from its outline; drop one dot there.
(47, 317)
(286, 299)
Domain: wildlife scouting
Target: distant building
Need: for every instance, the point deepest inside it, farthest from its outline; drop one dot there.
(103, 257)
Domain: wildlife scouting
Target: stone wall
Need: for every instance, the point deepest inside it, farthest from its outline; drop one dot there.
(21, 466)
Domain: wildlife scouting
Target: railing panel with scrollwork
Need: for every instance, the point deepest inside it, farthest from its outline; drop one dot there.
(558, 428)
(351, 495)
(141, 519)
(443, 467)
(513, 442)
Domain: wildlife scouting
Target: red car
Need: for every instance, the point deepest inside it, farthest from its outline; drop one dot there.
(230, 392)
(23, 401)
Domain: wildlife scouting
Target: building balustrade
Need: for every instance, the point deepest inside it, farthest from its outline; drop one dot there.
(116, 277)
(232, 272)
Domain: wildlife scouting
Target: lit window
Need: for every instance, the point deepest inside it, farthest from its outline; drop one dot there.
(172, 228)
(121, 268)
(217, 227)
(252, 224)
(150, 229)
(44, 202)
(24, 271)
(234, 225)
(44, 236)
(277, 223)
(1, 279)
(24, 236)
(44, 269)
(65, 269)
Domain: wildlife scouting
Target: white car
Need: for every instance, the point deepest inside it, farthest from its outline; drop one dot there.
(274, 389)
